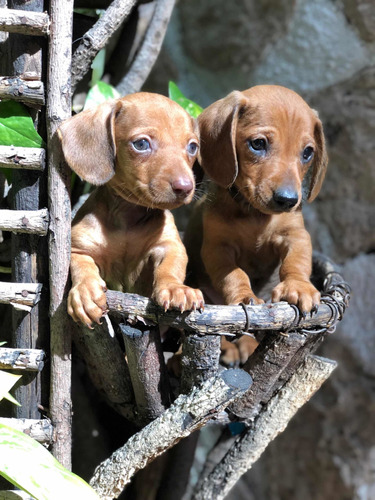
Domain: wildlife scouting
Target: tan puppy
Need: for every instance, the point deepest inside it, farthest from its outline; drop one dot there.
(264, 150)
(140, 149)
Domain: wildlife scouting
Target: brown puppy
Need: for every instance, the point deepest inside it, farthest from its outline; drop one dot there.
(140, 149)
(258, 146)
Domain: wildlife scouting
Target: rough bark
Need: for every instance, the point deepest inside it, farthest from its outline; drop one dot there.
(97, 37)
(40, 430)
(30, 92)
(24, 22)
(22, 158)
(58, 109)
(25, 221)
(21, 359)
(25, 294)
(187, 414)
(271, 421)
(149, 51)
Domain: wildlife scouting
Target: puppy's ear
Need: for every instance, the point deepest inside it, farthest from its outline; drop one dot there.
(320, 162)
(217, 129)
(88, 142)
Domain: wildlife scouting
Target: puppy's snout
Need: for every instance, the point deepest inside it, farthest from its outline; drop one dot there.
(285, 198)
(182, 186)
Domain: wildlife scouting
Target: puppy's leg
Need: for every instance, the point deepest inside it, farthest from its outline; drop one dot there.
(169, 275)
(86, 301)
(295, 286)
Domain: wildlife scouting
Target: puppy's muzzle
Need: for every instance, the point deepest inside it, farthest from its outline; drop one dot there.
(284, 199)
(182, 187)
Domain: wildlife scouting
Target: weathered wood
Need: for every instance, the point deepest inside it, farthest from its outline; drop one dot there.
(58, 109)
(24, 22)
(22, 158)
(25, 221)
(28, 194)
(187, 414)
(27, 294)
(28, 91)
(21, 359)
(97, 37)
(271, 421)
(218, 319)
(149, 51)
(147, 370)
(199, 360)
(40, 430)
(105, 362)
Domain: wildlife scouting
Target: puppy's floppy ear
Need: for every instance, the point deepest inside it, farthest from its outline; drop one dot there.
(88, 142)
(320, 162)
(217, 129)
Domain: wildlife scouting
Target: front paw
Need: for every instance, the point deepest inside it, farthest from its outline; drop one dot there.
(87, 302)
(179, 296)
(300, 293)
(248, 299)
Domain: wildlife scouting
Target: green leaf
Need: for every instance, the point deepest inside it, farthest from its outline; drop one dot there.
(97, 67)
(190, 106)
(3, 343)
(29, 466)
(99, 93)
(16, 126)
(13, 400)
(7, 381)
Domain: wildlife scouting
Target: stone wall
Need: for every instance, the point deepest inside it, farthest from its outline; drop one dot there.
(325, 50)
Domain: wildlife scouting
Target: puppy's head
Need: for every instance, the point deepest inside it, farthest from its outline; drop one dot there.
(266, 141)
(143, 145)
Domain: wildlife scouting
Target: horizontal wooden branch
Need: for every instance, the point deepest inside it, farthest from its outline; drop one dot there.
(17, 157)
(217, 319)
(272, 420)
(24, 22)
(25, 221)
(14, 495)
(27, 294)
(27, 91)
(187, 414)
(40, 430)
(21, 359)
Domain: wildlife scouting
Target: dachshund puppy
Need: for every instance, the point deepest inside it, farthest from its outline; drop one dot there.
(140, 151)
(264, 150)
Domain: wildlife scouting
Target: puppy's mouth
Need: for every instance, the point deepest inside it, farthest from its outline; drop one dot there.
(278, 201)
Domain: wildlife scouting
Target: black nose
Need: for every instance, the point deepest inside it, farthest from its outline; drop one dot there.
(285, 198)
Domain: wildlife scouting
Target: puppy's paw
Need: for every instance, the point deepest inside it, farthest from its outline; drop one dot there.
(303, 294)
(237, 352)
(87, 302)
(180, 297)
(248, 299)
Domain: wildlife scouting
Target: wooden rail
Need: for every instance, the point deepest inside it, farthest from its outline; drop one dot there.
(25, 221)
(18, 89)
(24, 22)
(27, 158)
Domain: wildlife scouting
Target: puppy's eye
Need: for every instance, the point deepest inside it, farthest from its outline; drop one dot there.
(257, 145)
(192, 148)
(307, 154)
(141, 145)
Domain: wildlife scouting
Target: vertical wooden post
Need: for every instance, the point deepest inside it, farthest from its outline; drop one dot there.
(58, 109)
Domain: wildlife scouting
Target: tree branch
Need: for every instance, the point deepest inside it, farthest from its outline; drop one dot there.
(97, 37)
(272, 420)
(149, 51)
(188, 413)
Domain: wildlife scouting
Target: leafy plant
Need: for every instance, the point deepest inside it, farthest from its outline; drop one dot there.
(100, 93)
(190, 106)
(16, 126)
(29, 466)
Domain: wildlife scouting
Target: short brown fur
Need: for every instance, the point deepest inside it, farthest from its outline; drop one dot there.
(124, 236)
(246, 234)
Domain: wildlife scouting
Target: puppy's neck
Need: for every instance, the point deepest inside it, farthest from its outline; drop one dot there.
(243, 204)
(125, 212)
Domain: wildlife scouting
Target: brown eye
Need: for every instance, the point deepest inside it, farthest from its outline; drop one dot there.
(257, 145)
(307, 154)
(192, 148)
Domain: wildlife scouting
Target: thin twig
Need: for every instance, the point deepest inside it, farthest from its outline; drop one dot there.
(97, 37)
(149, 51)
